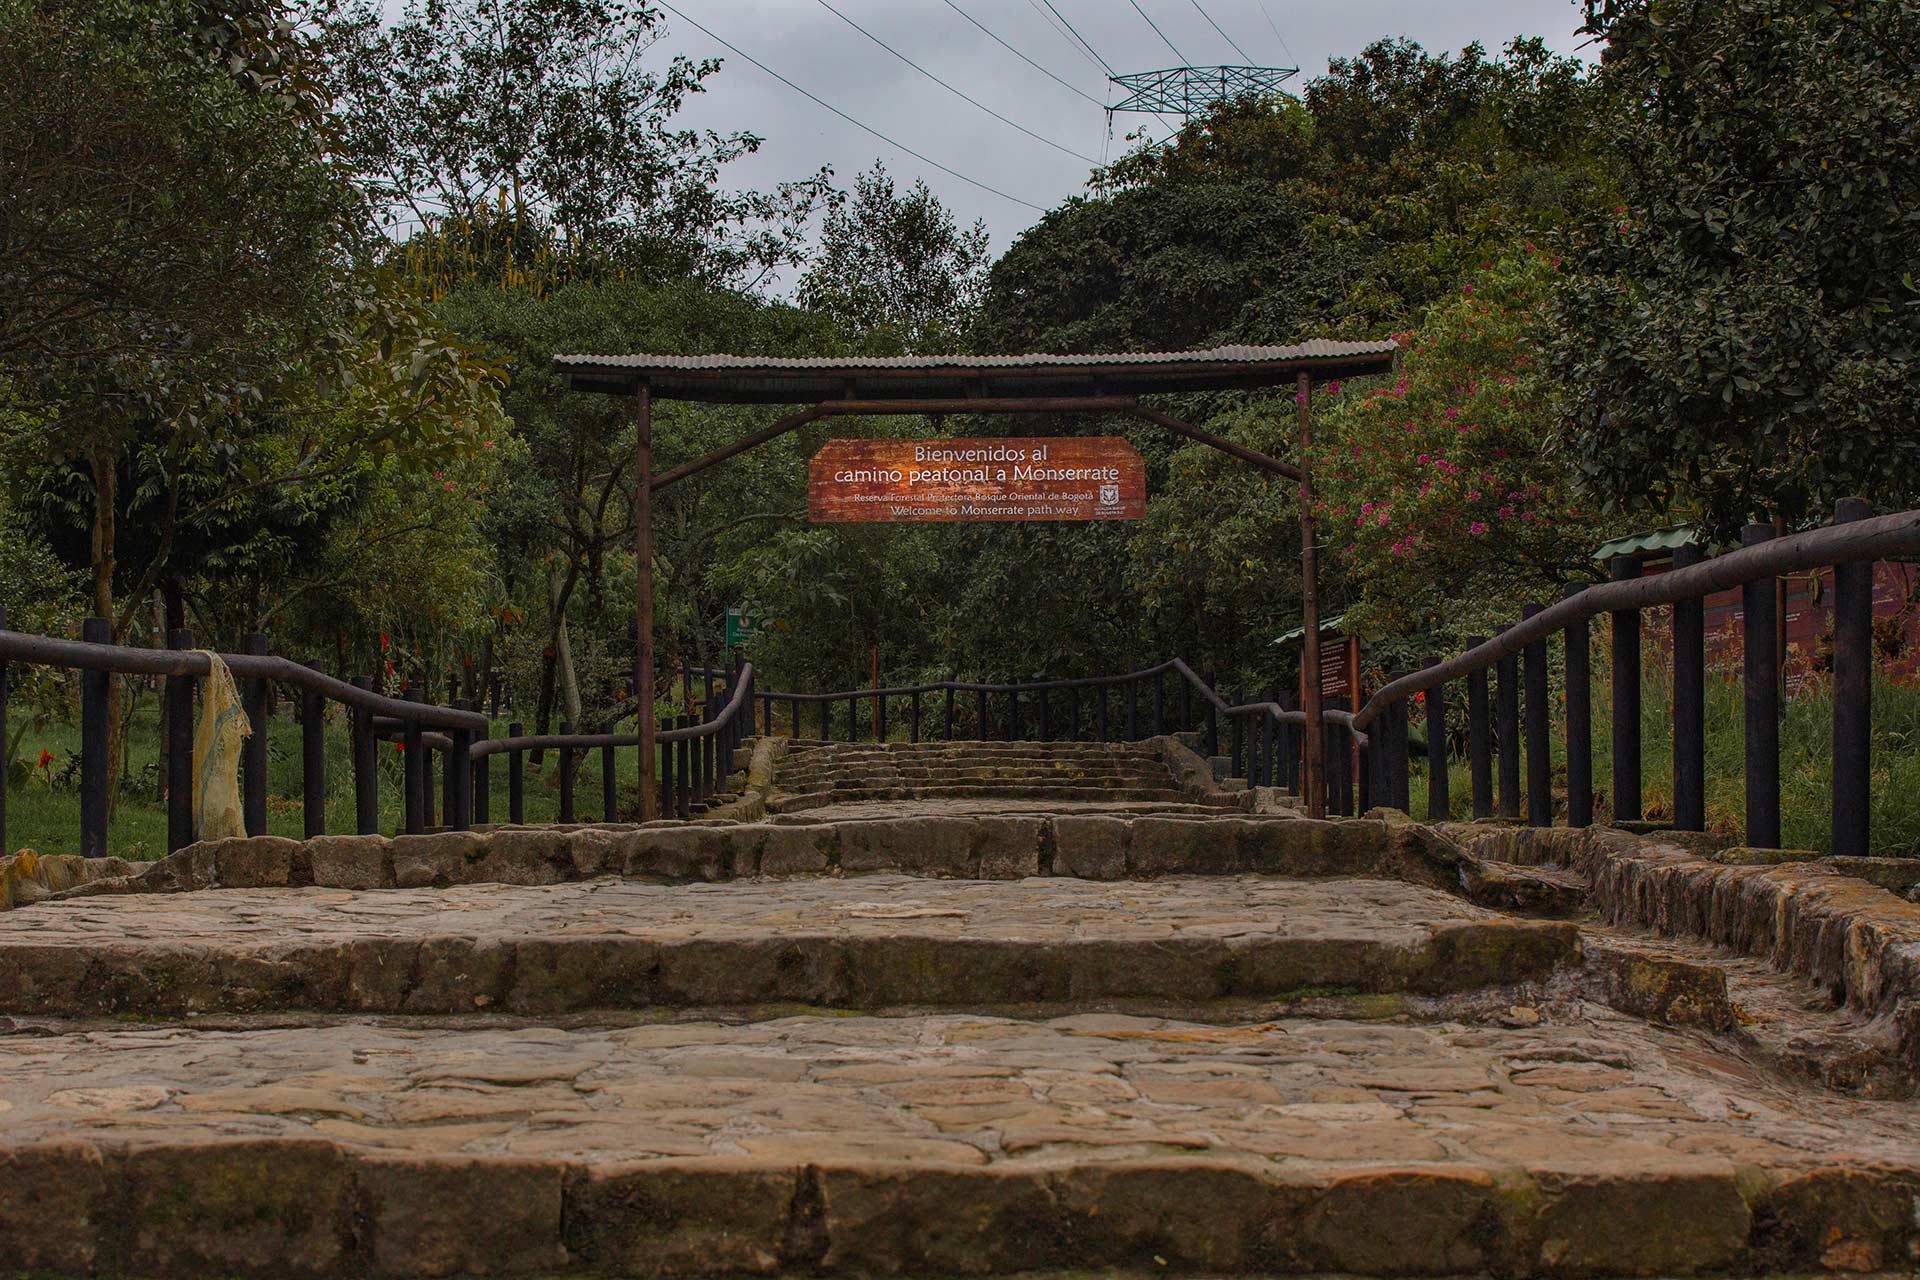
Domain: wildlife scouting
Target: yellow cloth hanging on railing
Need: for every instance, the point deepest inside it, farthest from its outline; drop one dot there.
(216, 755)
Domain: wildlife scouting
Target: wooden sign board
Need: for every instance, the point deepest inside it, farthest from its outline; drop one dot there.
(1051, 478)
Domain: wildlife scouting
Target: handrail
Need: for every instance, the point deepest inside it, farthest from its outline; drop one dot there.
(85, 655)
(742, 685)
(1873, 538)
(1177, 666)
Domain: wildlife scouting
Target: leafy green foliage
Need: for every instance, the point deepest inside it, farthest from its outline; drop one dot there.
(1740, 335)
(547, 107)
(1439, 487)
(896, 269)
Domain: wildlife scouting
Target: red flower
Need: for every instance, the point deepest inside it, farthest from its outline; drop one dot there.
(400, 747)
(46, 759)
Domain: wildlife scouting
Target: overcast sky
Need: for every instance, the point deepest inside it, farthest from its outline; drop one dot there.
(805, 42)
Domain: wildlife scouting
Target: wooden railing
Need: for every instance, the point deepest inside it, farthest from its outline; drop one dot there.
(1849, 546)
(697, 755)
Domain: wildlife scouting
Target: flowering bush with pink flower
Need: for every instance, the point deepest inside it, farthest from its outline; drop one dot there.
(1438, 487)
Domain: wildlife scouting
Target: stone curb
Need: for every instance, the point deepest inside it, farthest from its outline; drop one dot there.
(310, 1208)
(1846, 934)
(1089, 846)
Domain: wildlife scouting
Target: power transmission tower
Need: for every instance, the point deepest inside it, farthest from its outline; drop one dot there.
(1191, 91)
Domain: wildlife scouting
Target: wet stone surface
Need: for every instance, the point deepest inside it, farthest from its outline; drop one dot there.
(856, 941)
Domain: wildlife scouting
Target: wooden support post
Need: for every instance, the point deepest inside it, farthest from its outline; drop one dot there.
(1762, 671)
(482, 790)
(1399, 786)
(415, 770)
(516, 777)
(1506, 712)
(1689, 703)
(1539, 753)
(1479, 757)
(1626, 699)
(255, 696)
(1213, 719)
(643, 597)
(1159, 704)
(94, 765)
(569, 760)
(1100, 713)
(179, 695)
(313, 758)
(366, 766)
(1013, 713)
(913, 718)
(1339, 764)
(609, 783)
(1438, 801)
(1073, 713)
(1316, 741)
(1133, 711)
(458, 810)
(1046, 728)
(1578, 643)
(949, 721)
(1852, 693)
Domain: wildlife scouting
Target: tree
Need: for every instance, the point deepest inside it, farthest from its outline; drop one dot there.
(1741, 334)
(1442, 495)
(897, 269)
(545, 109)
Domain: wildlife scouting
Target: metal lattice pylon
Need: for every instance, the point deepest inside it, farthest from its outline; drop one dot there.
(1192, 91)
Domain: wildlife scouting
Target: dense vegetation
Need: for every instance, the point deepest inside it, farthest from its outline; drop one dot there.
(284, 282)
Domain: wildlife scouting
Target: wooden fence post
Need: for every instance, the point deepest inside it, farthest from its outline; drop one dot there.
(1479, 759)
(1438, 801)
(256, 697)
(313, 758)
(1762, 672)
(1689, 703)
(94, 764)
(179, 695)
(1852, 694)
(1626, 699)
(1579, 722)
(1539, 757)
(1506, 702)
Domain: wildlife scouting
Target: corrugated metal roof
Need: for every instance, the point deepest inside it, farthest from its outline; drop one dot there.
(1640, 544)
(777, 379)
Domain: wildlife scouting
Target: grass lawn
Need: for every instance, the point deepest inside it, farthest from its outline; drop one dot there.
(43, 813)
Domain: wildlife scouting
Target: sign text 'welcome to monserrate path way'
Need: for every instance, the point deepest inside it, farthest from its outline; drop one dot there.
(1053, 478)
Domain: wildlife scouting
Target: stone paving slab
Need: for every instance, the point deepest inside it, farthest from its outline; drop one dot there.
(948, 1144)
(864, 941)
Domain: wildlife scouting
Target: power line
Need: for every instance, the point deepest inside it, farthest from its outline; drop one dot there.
(822, 102)
(1276, 32)
(1156, 29)
(1023, 57)
(1104, 65)
(964, 97)
(1223, 35)
(1060, 31)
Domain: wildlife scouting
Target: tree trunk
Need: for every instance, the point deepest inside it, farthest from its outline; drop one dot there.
(569, 681)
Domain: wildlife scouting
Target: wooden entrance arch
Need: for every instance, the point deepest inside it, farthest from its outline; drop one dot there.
(968, 384)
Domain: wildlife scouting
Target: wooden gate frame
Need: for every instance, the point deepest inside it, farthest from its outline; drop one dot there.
(911, 385)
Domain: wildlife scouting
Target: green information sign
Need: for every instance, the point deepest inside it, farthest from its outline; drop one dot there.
(742, 627)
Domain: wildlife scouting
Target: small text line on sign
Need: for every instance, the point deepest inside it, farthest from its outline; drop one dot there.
(1046, 478)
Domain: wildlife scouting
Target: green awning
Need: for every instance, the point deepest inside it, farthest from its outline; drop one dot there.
(1326, 624)
(1642, 544)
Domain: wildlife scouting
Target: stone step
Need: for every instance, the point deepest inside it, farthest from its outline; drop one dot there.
(934, 1145)
(975, 773)
(862, 942)
(843, 795)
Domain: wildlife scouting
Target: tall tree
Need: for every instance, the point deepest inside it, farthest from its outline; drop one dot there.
(895, 268)
(1742, 335)
(548, 111)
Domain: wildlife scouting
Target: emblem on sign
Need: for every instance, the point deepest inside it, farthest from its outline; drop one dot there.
(1109, 495)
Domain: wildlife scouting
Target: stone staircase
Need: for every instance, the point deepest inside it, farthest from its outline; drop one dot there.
(1082, 1039)
(813, 774)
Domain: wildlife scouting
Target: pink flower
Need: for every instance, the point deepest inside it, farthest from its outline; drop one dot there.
(486, 444)
(1477, 528)
(1333, 388)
